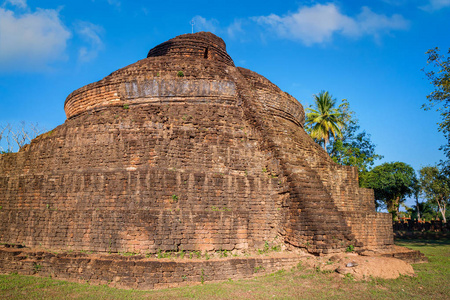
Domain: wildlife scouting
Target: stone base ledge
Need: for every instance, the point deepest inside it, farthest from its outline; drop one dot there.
(138, 272)
(405, 254)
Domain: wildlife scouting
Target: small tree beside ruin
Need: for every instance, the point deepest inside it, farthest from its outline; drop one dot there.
(392, 183)
(435, 185)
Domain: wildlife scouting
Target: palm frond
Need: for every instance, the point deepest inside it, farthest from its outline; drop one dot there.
(323, 119)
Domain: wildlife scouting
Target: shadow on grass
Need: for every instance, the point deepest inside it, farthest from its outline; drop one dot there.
(427, 235)
(422, 242)
(422, 238)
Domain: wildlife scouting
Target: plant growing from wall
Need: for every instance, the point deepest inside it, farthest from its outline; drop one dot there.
(202, 277)
(258, 268)
(36, 267)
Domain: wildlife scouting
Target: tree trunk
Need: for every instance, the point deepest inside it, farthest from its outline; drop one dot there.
(392, 207)
(442, 208)
(418, 209)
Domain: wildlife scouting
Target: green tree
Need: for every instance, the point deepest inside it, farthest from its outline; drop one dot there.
(438, 72)
(324, 120)
(353, 148)
(435, 185)
(392, 183)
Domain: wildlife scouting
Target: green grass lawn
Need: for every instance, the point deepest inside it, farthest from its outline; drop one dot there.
(431, 282)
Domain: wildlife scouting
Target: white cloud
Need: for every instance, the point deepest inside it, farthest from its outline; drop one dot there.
(235, 29)
(202, 24)
(319, 23)
(371, 23)
(114, 2)
(18, 3)
(396, 2)
(90, 34)
(311, 25)
(434, 5)
(31, 40)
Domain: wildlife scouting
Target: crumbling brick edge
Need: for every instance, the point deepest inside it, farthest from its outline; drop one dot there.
(137, 272)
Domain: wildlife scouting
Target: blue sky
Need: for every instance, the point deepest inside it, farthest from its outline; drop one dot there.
(369, 52)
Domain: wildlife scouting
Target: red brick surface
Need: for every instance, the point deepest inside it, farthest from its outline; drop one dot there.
(216, 159)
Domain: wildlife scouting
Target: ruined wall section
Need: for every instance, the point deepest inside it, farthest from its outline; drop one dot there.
(151, 177)
(311, 219)
(325, 201)
(372, 230)
(340, 181)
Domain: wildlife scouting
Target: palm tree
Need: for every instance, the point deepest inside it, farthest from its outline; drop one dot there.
(323, 119)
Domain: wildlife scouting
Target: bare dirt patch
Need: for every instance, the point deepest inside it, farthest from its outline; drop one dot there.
(362, 266)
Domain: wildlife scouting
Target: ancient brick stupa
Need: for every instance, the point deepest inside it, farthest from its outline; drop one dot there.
(183, 150)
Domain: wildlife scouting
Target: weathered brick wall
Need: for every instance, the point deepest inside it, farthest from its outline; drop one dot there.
(141, 179)
(217, 159)
(340, 181)
(156, 80)
(371, 229)
(100, 96)
(136, 272)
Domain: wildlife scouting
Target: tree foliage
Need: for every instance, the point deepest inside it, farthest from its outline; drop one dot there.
(323, 119)
(349, 146)
(435, 185)
(353, 148)
(438, 72)
(392, 183)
